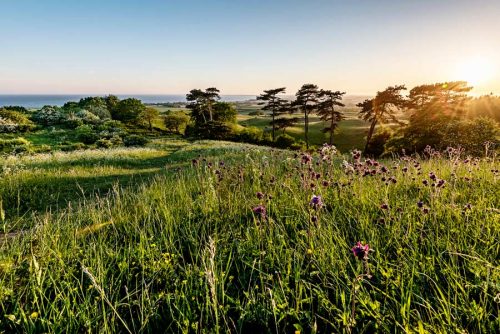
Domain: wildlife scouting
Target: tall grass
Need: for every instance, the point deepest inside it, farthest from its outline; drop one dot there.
(185, 252)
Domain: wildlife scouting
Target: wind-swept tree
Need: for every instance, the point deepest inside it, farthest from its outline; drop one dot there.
(307, 100)
(328, 112)
(382, 108)
(149, 115)
(202, 103)
(272, 102)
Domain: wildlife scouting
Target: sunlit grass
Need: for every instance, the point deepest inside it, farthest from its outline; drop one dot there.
(183, 252)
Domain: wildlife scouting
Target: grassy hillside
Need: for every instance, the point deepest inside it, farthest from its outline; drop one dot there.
(149, 240)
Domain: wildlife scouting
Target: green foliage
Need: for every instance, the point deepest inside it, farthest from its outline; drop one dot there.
(251, 135)
(86, 134)
(284, 141)
(18, 144)
(12, 121)
(49, 115)
(149, 115)
(376, 146)
(256, 113)
(104, 143)
(135, 140)
(128, 110)
(224, 112)
(211, 130)
(176, 121)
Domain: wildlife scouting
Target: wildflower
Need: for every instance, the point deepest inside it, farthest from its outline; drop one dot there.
(432, 176)
(306, 159)
(325, 183)
(384, 206)
(361, 251)
(195, 162)
(441, 183)
(261, 211)
(316, 202)
(420, 204)
(425, 182)
(425, 210)
(34, 315)
(314, 219)
(260, 195)
(309, 251)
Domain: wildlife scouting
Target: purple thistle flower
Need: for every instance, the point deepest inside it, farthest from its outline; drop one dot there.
(361, 251)
(261, 211)
(260, 195)
(420, 204)
(316, 202)
(384, 206)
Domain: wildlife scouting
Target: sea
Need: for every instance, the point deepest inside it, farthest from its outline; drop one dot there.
(38, 101)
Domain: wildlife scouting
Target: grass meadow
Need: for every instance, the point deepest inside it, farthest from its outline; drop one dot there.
(215, 237)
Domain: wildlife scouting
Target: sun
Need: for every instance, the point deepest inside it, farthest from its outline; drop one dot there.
(476, 71)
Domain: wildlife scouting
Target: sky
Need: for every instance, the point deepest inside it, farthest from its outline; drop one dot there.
(245, 46)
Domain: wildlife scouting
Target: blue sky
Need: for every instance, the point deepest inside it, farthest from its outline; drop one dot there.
(163, 47)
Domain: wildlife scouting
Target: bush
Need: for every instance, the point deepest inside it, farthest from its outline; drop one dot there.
(211, 130)
(174, 122)
(284, 141)
(15, 145)
(13, 121)
(86, 134)
(256, 113)
(49, 115)
(250, 135)
(377, 143)
(73, 147)
(135, 140)
(104, 143)
(73, 123)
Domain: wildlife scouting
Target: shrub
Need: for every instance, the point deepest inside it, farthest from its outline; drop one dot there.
(86, 134)
(73, 147)
(104, 143)
(256, 113)
(14, 121)
(174, 122)
(15, 145)
(49, 115)
(135, 140)
(250, 135)
(211, 130)
(284, 141)
(73, 123)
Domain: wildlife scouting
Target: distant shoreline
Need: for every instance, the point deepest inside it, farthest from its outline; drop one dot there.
(40, 100)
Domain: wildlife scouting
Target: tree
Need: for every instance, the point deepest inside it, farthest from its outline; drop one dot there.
(174, 121)
(382, 109)
(307, 100)
(284, 123)
(149, 115)
(111, 102)
(202, 103)
(274, 103)
(433, 108)
(128, 110)
(224, 112)
(329, 100)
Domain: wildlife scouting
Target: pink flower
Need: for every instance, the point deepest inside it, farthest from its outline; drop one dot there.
(361, 251)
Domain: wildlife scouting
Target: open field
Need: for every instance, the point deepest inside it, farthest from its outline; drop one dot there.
(146, 240)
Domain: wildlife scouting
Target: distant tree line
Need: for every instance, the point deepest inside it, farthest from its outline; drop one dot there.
(436, 115)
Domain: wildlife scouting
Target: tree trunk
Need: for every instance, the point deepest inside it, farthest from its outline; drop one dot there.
(306, 128)
(370, 134)
(274, 124)
(210, 111)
